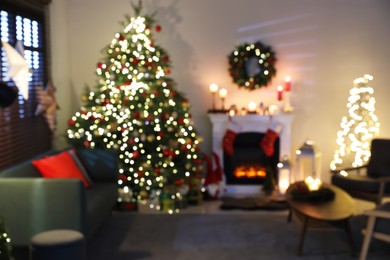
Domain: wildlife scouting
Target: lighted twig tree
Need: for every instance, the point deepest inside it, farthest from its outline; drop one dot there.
(358, 128)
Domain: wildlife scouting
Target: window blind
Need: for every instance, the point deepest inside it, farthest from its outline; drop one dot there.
(22, 133)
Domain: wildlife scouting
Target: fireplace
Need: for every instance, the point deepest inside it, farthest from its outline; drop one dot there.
(249, 165)
(253, 124)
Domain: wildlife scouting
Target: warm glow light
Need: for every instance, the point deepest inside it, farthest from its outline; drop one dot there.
(313, 184)
(222, 93)
(357, 129)
(213, 88)
(252, 106)
(249, 172)
(287, 83)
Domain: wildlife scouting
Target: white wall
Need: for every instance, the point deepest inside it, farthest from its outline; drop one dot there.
(322, 44)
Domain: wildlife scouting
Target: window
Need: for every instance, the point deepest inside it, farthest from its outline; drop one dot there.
(22, 133)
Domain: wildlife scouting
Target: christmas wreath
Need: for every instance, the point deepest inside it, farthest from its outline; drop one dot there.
(251, 65)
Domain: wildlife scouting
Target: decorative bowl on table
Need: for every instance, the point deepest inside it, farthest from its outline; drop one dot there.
(303, 192)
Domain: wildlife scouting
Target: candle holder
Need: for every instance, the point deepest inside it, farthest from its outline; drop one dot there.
(287, 108)
(223, 95)
(213, 90)
(284, 174)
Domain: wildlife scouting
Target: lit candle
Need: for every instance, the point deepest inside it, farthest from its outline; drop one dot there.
(280, 93)
(213, 88)
(232, 112)
(252, 107)
(287, 82)
(223, 93)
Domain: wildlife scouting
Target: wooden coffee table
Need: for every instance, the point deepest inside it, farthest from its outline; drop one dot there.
(336, 211)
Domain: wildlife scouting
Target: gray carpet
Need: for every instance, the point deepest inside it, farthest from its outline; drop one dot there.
(131, 235)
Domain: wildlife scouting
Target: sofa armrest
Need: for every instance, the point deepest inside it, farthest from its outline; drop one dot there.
(33, 205)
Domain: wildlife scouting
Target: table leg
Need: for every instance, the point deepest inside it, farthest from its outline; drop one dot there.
(303, 233)
(289, 217)
(347, 229)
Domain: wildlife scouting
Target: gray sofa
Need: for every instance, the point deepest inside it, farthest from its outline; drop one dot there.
(31, 204)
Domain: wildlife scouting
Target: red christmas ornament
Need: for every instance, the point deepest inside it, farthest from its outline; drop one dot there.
(180, 120)
(123, 177)
(131, 141)
(128, 83)
(71, 122)
(136, 115)
(135, 154)
(161, 134)
(157, 28)
(164, 116)
(122, 38)
(86, 144)
(165, 58)
(105, 102)
(167, 71)
(197, 161)
(157, 170)
(135, 61)
(166, 152)
(100, 65)
(179, 182)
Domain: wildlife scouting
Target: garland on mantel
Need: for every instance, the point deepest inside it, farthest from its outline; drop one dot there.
(254, 56)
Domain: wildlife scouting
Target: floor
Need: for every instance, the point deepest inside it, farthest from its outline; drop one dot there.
(213, 207)
(208, 207)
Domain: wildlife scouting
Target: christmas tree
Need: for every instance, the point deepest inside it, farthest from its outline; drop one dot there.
(5, 243)
(358, 128)
(137, 111)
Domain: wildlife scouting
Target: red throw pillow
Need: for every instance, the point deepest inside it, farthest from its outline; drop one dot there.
(59, 166)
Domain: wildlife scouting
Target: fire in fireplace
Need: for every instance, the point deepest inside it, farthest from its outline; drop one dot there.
(248, 164)
(250, 171)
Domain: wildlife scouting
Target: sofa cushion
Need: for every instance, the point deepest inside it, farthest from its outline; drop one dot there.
(100, 164)
(59, 165)
(80, 165)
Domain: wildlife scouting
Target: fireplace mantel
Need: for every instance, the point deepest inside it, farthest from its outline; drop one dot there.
(250, 123)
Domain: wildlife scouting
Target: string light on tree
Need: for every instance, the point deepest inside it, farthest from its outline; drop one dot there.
(358, 128)
(137, 111)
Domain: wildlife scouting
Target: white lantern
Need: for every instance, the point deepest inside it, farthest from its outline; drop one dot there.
(284, 174)
(308, 161)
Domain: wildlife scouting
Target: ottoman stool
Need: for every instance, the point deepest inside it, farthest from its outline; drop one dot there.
(58, 244)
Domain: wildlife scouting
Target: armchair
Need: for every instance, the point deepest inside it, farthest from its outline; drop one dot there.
(374, 184)
(378, 227)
